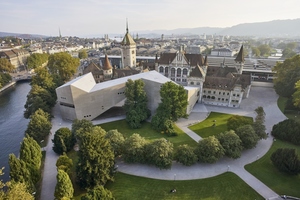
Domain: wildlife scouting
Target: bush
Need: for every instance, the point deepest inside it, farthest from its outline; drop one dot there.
(286, 160)
(185, 155)
(63, 141)
(237, 121)
(288, 130)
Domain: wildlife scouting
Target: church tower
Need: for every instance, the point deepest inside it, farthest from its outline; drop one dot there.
(128, 47)
(107, 68)
(240, 60)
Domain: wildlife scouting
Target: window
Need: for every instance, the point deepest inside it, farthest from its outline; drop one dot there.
(209, 92)
(178, 72)
(219, 99)
(173, 72)
(198, 83)
(132, 52)
(214, 92)
(184, 71)
(233, 95)
(237, 95)
(167, 70)
(219, 92)
(183, 80)
(223, 93)
(192, 83)
(178, 79)
(227, 93)
(161, 70)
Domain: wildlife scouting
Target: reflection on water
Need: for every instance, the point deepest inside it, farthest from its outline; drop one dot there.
(12, 122)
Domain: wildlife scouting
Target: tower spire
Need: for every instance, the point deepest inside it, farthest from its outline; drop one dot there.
(59, 32)
(126, 25)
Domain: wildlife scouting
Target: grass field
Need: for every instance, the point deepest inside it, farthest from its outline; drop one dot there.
(225, 186)
(291, 114)
(264, 170)
(206, 128)
(148, 133)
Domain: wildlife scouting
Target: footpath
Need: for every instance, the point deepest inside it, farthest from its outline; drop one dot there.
(259, 96)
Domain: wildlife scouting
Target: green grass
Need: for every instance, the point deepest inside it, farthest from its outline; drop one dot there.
(291, 114)
(225, 186)
(264, 170)
(206, 128)
(148, 133)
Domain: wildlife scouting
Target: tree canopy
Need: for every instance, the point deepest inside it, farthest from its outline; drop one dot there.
(82, 54)
(39, 125)
(63, 141)
(5, 78)
(98, 192)
(287, 75)
(185, 155)
(117, 141)
(36, 60)
(5, 65)
(209, 150)
(288, 130)
(286, 160)
(236, 121)
(63, 64)
(64, 187)
(231, 143)
(64, 163)
(248, 136)
(136, 103)
(135, 149)
(96, 159)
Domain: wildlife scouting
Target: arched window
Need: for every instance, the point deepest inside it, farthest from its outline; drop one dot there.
(173, 72)
(178, 72)
(208, 97)
(213, 97)
(167, 70)
(198, 83)
(184, 72)
(161, 69)
(192, 83)
(204, 96)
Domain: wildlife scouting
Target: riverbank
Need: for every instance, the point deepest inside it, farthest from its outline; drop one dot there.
(12, 83)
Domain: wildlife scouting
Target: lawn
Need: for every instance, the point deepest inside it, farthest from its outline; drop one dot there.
(225, 186)
(291, 114)
(148, 133)
(264, 170)
(206, 128)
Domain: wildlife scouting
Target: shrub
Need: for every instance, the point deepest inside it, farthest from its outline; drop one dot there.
(288, 130)
(185, 155)
(286, 160)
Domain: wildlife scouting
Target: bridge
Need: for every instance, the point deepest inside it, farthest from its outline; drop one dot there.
(22, 77)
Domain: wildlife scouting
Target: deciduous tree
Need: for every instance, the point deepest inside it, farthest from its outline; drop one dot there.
(96, 159)
(159, 153)
(82, 54)
(63, 64)
(286, 160)
(259, 124)
(209, 150)
(64, 163)
(36, 60)
(185, 155)
(117, 141)
(231, 143)
(98, 192)
(63, 141)
(236, 121)
(64, 187)
(136, 103)
(134, 151)
(39, 125)
(5, 65)
(248, 136)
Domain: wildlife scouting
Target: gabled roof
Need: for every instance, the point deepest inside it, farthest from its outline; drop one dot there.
(92, 67)
(195, 59)
(127, 40)
(240, 57)
(107, 65)
(166, 58)
(197, 72)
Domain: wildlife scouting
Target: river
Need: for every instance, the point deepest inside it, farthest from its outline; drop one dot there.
(12, 122)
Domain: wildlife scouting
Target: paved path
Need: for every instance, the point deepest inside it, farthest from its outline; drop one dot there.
(265, 97)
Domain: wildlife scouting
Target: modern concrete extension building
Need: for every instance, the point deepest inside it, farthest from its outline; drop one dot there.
(83, 98)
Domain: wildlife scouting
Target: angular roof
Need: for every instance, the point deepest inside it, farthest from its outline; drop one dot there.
(92, 67)
(197, 72)
(192, 59)
(107, 65)
(166, 58)
(240, 57)
(127, 40)
(228, 82)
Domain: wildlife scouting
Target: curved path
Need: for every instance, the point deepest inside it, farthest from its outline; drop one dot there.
(259, 96)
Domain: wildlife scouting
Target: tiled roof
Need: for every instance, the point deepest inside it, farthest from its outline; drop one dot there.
(127, 40)
(228, 82)
(194, 59)
(197, 72)
(92, 67)
(107, 65)
(166, 58)
(220, 71)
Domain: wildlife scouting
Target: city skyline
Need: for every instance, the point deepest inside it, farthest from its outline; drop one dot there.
(94, 17)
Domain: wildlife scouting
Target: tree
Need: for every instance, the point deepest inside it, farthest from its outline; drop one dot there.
(159, 153)
(36, 60)
(259, 126)
(185, 155)
(64, 187)
(291, 45)
(39, 125)
(38, 98)
(173, 105)
(63, 141)
(135, 149)
(286, 160)
(236, 121)
(99, 192)
(63, 64)
(5, 78)
(287, 75)
(136, 103)
(288, 53)
(248, 136)
(209, 150)
(44, 79)
(64, 163)
(79, 127)
(117, 141)
(82, 54)
(255, 51)
(264, 49)
(30, 153)
(296, 95)
(231, 143)
(6, 66)
(19, 172)
(96, 159)
(288, 130)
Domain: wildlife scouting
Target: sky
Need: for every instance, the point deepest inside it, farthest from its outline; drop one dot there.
(97, 17)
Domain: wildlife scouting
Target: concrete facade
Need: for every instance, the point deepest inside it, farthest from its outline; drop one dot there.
(83, 98)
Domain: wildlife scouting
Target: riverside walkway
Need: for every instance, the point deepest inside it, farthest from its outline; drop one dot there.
(259, 96)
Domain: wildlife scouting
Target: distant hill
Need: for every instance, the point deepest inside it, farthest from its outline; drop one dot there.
(22, 35)
(272, 28)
